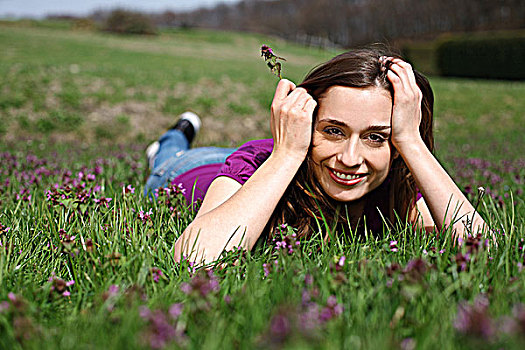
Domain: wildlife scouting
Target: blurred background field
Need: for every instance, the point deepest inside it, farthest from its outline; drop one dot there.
(60, 85)
(84, 86)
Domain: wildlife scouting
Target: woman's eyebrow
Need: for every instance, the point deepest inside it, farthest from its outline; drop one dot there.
(332, 121)
(379, 127)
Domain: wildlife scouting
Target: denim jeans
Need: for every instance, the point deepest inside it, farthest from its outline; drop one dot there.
(175, 157)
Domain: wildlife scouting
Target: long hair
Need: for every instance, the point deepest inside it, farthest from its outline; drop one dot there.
(304, 204)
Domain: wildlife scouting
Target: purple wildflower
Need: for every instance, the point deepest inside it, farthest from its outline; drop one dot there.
(157, 274)
(145, 216)
(308, 279)
(113, 290)
(279, 327)
(103, 201)
(161, 329)
(393, 246)
(201, 284)
(341, 262)
(4, 305)
(4, 229)
(11, 296)
(462, 261)
(474, 320)
(59, 286)
(144, 311)
(128, 190)
(415, 269)
(408, 344)
(287, 243)
(268, 267)
(175, 310)
(331, 310)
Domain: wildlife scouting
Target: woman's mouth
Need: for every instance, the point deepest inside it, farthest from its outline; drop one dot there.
(346, 179)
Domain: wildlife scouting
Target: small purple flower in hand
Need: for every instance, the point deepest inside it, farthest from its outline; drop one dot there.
(271, 60)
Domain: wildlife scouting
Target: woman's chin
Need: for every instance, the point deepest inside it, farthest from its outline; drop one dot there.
(345, 195)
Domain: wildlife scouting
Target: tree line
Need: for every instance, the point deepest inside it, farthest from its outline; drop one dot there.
(353, 22)
(343, 23)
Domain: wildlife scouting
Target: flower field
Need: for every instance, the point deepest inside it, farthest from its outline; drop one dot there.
(86, 260)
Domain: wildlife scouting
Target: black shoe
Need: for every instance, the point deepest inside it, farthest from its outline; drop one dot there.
(189, 123)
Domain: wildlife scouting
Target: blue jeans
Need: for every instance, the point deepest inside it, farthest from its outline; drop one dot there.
(175, 157)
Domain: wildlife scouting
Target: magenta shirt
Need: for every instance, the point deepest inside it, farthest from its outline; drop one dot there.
(240, 165)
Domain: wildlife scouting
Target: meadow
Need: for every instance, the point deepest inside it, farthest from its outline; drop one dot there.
(86, 261)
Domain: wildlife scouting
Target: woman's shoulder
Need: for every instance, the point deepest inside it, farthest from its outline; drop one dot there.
(255, 151)
(242, 163)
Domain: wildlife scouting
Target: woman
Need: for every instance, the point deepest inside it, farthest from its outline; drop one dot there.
(351, 144)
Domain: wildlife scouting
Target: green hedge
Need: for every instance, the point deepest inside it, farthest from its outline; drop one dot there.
(128, 22)
(492, 56)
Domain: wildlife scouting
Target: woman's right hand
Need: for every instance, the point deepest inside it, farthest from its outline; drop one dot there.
(291, 120)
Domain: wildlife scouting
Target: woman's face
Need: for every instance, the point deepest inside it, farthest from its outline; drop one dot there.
(351, 150)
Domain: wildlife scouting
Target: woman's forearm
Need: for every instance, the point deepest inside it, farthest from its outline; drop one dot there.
(233, 216)
(447, 204)
(240, 220)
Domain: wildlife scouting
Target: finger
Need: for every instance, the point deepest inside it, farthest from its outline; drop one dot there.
(395, 80)
(401, 73)
(297, 99)
(408, 69)
(310, 105)
(386, 62)
(283, 89)
(408, 80)
(406, 74)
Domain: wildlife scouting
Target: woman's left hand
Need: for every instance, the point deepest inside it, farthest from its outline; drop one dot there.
(406, 112)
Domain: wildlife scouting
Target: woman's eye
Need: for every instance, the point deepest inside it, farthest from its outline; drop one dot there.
(376, 138)
(333, 131)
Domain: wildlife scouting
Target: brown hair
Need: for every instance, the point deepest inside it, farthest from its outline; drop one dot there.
(304, 204)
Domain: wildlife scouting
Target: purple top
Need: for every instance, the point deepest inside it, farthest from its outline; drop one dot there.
(240, 165)
(201, 176)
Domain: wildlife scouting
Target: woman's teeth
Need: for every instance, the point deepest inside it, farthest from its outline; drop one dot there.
(346, 176)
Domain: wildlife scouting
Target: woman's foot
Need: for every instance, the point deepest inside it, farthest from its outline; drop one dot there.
(189, 124)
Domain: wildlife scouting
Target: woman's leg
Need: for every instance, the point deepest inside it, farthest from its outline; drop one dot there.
(172, 143)
(174, 164)
(173, 157)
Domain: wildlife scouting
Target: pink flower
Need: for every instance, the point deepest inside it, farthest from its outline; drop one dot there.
(474, 320)
(393, 246)
(128, 189)
(157, 274)
(176, 310)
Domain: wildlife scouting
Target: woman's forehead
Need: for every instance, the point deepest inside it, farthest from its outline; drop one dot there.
(351, 105)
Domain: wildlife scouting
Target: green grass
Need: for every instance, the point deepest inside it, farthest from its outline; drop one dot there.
(85, 102)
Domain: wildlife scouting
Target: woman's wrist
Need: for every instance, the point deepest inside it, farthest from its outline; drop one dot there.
(288, 158)
(410, 146)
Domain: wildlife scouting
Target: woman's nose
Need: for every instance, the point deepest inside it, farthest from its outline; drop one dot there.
(350, 154)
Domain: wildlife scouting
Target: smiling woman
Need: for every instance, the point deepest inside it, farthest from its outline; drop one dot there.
(352, 146)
